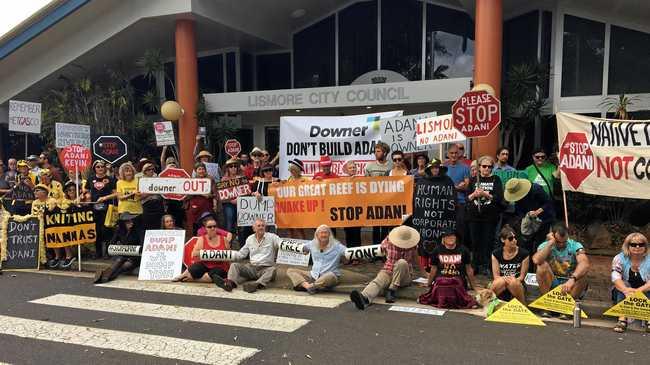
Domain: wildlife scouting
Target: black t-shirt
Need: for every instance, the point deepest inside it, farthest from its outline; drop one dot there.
(450, 263)
(99, 187)
(490, 208)
(510, 267)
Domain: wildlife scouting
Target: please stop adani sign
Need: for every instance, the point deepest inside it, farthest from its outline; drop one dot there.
(476, 113)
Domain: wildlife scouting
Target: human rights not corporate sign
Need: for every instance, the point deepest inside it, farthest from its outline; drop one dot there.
(343, 138)
(604, 156)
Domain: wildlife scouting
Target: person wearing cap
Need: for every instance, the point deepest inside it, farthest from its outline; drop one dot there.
(531, 204)
(232, 171)
(325, 164)
(400, 250)
(153, 207)
(64, 256)
(42, 201)
(54, 187)
(129, 234)
(199, 204)
(484, 206)
(326, 253)
(139, 167)
(451, 271)
(101, 190)
(32, 162)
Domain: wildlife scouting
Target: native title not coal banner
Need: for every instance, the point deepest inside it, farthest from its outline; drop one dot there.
(343, 202)
(70, 227)
(604, 156)
(343, 138)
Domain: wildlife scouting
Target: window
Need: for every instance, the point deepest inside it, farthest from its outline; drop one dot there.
(401, 37)
(210, 69)
(170, 80)
(449, 43)
(357, 41)
(545, 47)
(520, 40)
(313, 55)
(629, 61)
(582, 57)
(246, 72)
(273, 71)
(231, 72)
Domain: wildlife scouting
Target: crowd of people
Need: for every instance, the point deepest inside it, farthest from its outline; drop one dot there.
(504, 229)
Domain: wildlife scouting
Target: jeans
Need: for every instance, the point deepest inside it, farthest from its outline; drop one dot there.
(230, 215)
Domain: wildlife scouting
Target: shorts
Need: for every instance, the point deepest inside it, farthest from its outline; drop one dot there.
(561, 280)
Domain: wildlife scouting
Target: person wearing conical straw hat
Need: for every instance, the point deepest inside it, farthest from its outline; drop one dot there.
(400, 248)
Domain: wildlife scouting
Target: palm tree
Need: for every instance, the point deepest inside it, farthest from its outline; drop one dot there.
(619, 105)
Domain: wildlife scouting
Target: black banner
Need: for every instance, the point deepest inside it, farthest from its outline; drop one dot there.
(434, 210)
(22, 245)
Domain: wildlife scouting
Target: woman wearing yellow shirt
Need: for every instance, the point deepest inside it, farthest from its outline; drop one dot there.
(127, 191)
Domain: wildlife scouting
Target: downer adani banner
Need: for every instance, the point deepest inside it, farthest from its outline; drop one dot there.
(75, 226)
(604, 156)
(351, 137)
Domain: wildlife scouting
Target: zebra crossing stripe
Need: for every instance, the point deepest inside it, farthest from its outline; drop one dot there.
(137, 343)
(267, 295)
(226, 318)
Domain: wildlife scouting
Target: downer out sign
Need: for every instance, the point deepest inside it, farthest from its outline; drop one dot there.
(429, 91)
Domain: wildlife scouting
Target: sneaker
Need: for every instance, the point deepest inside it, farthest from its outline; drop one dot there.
(67, 263)
(251, 287)
(359, 300)
(390, 296)
(546, 314)
(52, 264)
(218, 281)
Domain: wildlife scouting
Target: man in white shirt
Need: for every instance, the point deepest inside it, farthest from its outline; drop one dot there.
(262, 247)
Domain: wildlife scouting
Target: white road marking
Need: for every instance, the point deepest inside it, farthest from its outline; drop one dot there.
(226, 318)
(137, 343)
(266, 295)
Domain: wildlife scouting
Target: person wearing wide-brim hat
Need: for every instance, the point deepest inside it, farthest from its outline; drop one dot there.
(400, 249)
(128, 234)
(204, 156)
(451, 267)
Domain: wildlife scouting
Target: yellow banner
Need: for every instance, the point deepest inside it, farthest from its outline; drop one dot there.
(70, 236)
(343, 202)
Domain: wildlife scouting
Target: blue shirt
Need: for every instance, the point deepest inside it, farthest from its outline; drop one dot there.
(458, 173)
(563, 261)
(327, 260)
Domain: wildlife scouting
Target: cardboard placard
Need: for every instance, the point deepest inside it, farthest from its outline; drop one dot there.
(162, 254)
(400, 132)
(434, 210)
(164, 132)
(635, 306)
(291, 252)
(24, 116)
(21, 242)
(110, 148)
(212, 169)
(515, 312)
(174, 185)
(231, 189)
(68, 134)
(249, 209)
(364, 252)
(75, 226)
(436, 130)
(556, 301)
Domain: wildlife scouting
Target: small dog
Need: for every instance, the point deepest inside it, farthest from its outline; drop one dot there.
(485, 297)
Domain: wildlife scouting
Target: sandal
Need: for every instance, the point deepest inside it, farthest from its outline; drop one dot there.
(621, 326)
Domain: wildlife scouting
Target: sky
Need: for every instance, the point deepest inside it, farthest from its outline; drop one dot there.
(12, 12)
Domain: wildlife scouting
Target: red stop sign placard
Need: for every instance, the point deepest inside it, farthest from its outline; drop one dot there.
(476, 113)
(187, 251)
(74, 156)
(174, 172)
(233, 147)
(576, 158)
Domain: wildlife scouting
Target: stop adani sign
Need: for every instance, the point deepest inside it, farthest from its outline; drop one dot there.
(476, 113)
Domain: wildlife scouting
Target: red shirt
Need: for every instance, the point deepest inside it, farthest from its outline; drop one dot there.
(324, 176)
(223, 265)
(394, 254)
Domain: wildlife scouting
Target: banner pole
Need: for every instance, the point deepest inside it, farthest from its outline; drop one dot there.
(76, 183)
(440, 152)
(26, 145)
(566, 210)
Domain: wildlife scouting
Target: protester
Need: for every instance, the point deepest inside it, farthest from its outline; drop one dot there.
(25, 173)
(32, 162)
(421, 160)
(450, 272)
(101, 189)
(69, 202)
(459, 174)
(168, 222)
(244, 158)
(533, 210)
(399, 164)
(352, 234)
(208, 271)
(109, 169)
(252, 169)
(167, 161)
(153, 207)
(631, 273)
(44, 164)
(19, 199)
(262, 183)
(400, 250)
(42, 201)
(561, 261)
(198, 204)
(461, 154)
(483, 209)
(229, 207)
(4, 184)
(128, 234)
(325, 164)
(326, 253)
(509, 267)
(473, 169)
(296, 168)
(542, 172)
(380, 166)
(262, 248)
(128, 196)
(12, 172)
(54, 187)
(200, 225)
(503, 153)
(139, 167)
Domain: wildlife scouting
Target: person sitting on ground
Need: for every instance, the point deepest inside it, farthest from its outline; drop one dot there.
(561, 261)
(631, 273)
(168, 222)
(262, 247)
(451, 267)
(208, 271)
(400, 249)
(325, 172)
(509, 267)
(326, 253)
(126, 234)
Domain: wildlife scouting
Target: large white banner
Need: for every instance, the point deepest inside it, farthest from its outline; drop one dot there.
(68, 134)
(162, 255)
(24, 117)
(351, 137)
(604, 156)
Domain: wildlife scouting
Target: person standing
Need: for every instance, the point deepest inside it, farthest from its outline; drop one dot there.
(462, 157)
(352, 234)
(325, 172)
(503, 154)
(542, 172)
(153, 207)
(380, 167)
(196, 205)
(421, 160)
(459, 174)
(399, 165)
(101, 189)
(483, 209)
(128, 195)
(12, 172)
(233, 171)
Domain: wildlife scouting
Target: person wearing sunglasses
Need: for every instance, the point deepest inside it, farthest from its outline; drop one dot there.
(484, 204)
(542, 172)
(509, 267)
(561, 261)
(631, 273)
(400, 167)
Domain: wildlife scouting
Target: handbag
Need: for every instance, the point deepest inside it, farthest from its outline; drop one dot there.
(111, 216)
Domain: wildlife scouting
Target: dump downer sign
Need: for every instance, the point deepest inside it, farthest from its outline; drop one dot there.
(604, 156)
